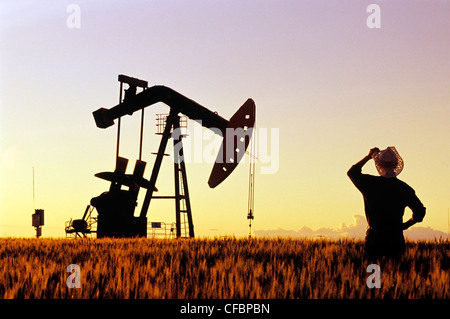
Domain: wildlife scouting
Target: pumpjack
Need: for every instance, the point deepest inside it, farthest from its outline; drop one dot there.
(116, 207)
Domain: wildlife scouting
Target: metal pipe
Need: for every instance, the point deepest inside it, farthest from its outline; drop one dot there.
(118, 125)
(141, 137)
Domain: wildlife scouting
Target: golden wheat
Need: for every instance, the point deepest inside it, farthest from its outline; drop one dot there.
(217, 268)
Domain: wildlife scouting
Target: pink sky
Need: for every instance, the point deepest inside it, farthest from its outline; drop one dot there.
(331, 86)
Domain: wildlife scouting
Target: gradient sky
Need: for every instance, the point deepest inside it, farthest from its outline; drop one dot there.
(332, 88)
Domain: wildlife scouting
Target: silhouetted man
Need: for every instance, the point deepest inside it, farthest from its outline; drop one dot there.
(385, 199)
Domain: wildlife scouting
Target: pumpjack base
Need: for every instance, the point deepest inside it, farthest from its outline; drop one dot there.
(122, 227)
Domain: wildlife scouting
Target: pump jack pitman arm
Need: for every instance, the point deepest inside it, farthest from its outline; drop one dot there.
(237, 131)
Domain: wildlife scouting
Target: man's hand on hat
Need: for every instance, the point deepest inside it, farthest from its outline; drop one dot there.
(373, 151)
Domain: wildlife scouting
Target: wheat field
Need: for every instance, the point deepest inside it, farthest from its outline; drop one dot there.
(217, 268)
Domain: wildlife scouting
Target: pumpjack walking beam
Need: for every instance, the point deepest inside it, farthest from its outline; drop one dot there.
(240, 124)
(243, 119)
(105, 118)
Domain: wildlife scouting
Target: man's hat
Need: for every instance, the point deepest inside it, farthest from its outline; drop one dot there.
(388, 162)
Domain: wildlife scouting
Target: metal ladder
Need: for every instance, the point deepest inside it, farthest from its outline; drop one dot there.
(185, 226)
